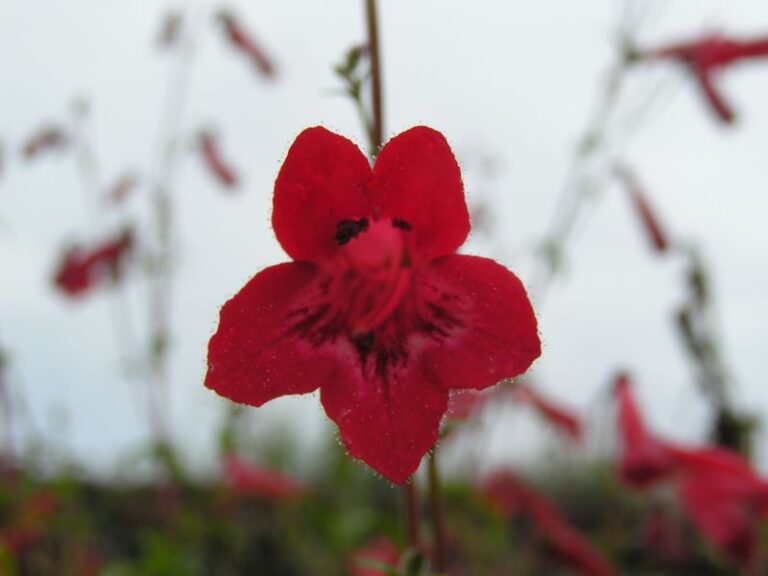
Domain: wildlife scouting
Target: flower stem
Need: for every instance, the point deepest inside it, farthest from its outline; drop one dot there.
(377, 129)
(410, 513)
(436, 511)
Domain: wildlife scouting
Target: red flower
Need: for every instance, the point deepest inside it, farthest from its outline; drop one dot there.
(260, 482)
(377, 311)
(378, 558)
(245, 43)
(512, 498)
(705, 56)
(645, 460)
(214, 160)
(48, 137)
(82, 269)
(653, 228)
(724, 498)
(719, 491)
(557, 416)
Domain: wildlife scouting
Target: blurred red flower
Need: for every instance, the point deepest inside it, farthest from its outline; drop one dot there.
(705, 56)
(645, 212)
(512, 497)
(262, 482)
(562, 419)
(214, 160)
(82, 269)
(46, 138)
(720, 492)
(644, 459)
(245, 43)
(376, 311)
(379, 558)
(29, 521)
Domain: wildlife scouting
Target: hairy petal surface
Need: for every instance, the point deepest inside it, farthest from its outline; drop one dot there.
(257, 352)
(495, 334)
(387, 420)
(416, 179)
(322, 182)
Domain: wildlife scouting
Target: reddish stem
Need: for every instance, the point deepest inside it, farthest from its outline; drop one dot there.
(411, 513)
(436, 511)
(373, 51)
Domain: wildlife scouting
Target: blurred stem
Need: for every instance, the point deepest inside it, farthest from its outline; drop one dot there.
(6, 404)
(573, 194)
(410, 513)
(377, 128)
(168, 144)
(436, 511)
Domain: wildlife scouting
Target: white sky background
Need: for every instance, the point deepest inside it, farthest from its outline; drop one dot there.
(511, 80)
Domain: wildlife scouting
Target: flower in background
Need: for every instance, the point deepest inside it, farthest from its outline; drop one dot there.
(512, 497)
(377, 311)
(245, 43)
(654, 231)
(261, 482)
(45, 139)
(559, 417)
(379, 558)
(82, 268)
(705, 56)
(214, 160)
(719, 491)
(32, 515)
(644, 459)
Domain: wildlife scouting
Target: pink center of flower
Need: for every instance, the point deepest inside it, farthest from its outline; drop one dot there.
(376, 253)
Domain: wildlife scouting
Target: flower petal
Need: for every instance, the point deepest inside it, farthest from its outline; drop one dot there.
(725, 519)
(256, 355)
(498, 338)
(322, 181)
(644, 459)
(416, 179)
(389, 421)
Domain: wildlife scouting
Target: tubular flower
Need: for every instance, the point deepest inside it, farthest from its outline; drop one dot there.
(262, 482)
(244, 42)
(379, 558)
(559, 417)
(511, 497)
(705, 56)
(376, 311)
(215, 162)
(82, 269)
(645, 459)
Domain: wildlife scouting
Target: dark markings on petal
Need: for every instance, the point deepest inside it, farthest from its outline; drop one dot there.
(364, 344)
(346, 230)
(402, 224)
(445, 318)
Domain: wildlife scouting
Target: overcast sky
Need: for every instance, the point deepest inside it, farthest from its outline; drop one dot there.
(507, 82)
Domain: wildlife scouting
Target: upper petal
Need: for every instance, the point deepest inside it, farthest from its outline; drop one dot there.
(416, 179)
(256, 353)
(493, 331)
(322, 181)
